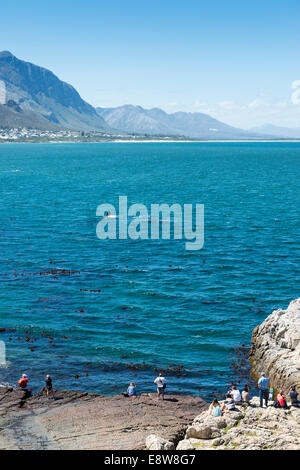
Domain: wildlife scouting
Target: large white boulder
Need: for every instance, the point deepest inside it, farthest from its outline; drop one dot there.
(185, 445)
(154, 442)
(276, 347)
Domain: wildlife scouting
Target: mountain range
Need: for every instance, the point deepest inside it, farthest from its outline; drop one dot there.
(277, 131)
(44, 99)
(33, 97)
(137, 120)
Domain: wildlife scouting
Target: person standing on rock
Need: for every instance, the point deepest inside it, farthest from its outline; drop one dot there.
(263, 385)
(23, 385)
(48, 382)
(23, 382)
(294, 397)
(160, 381)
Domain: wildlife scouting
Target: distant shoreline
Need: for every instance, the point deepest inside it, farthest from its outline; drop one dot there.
(161, 141)
(201, 141)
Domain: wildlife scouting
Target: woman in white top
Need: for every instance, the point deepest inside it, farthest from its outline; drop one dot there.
(236, 395)
(246, 395)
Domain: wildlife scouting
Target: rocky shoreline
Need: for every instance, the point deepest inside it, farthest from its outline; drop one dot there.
(247, 428)
(275, 351)
(79, 420)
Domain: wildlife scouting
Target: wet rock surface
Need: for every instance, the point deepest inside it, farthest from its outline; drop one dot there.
(78, 420)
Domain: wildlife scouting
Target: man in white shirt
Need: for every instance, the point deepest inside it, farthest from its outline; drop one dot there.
(236, 395)
(160, 381)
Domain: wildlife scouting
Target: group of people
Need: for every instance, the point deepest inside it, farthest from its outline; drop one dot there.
(160, 383)
(234, 397)
(23, 384)
(266, 394)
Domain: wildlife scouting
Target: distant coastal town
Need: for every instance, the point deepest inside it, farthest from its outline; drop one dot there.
(28, 135)
(24, 134)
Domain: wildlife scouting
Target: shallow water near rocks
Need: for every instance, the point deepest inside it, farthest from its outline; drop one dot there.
(159, 306)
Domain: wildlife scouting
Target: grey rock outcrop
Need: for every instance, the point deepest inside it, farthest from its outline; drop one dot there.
(276, 347)
(207, 429)
(186, 444)
(249, 428)
(154, 442)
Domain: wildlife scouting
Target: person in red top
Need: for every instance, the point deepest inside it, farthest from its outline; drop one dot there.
(281, 399)
(23, 382)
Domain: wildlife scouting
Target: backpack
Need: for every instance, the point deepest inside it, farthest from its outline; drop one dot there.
(23, 383)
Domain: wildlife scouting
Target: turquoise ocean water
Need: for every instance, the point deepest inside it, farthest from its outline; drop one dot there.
(160, 306)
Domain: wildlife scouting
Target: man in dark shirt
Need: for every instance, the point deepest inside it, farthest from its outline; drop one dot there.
(48, 385)
(294, 397)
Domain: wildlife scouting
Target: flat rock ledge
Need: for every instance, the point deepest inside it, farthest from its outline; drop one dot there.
(249, 428)
(79, 420)
(276, 347)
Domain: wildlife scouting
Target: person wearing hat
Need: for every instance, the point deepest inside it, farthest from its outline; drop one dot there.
(263, 385)
(23, 382)
(48, 384)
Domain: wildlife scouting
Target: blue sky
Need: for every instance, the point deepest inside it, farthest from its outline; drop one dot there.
(234, 59)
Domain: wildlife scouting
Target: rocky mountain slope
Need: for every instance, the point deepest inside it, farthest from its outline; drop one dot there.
(13, 116)
(39, 92)
(278, 131)
(137, 120)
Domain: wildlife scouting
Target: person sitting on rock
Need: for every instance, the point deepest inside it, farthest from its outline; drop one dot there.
(246, 395)
(215, 408)
(229, 403)
(281, 400)
(263, 385)
(131, 390)
(294, 397)
(235, 393)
